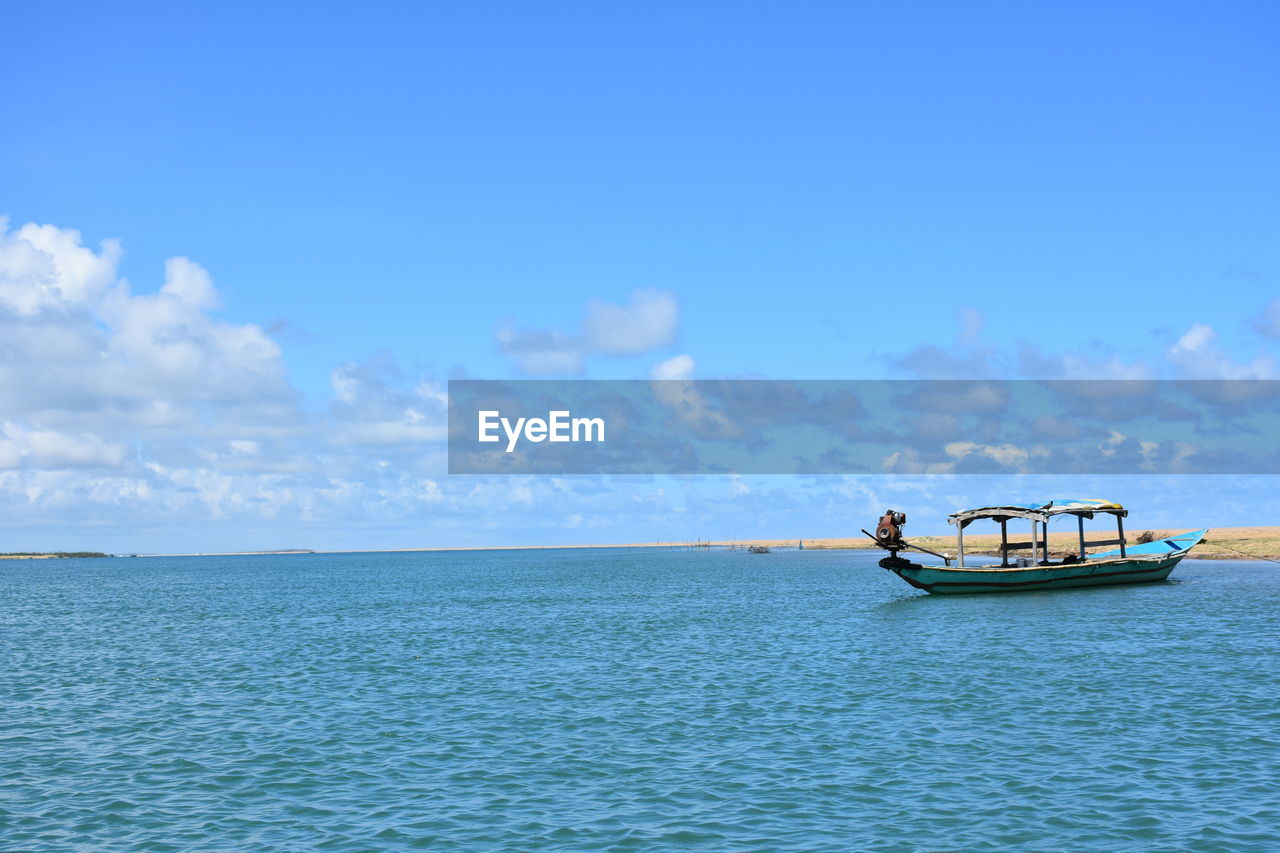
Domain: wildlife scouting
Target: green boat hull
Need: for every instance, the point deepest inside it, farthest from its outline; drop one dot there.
(944, 581)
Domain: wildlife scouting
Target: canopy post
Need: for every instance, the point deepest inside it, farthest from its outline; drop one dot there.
(1035, 545)
(1044, 531)
(1080, 518)
(1120, 528)
(1004, 542)
(960, 545)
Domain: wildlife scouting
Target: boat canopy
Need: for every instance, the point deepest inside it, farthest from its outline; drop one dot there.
(1082, 507)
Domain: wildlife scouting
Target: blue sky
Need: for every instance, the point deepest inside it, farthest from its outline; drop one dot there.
(392, 194)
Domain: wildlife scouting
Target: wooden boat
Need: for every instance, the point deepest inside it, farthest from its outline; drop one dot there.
(1139, 563)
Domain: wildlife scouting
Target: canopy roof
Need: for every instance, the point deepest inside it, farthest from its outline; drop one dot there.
(1085, 507)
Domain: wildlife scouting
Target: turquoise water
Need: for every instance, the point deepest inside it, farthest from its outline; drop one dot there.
(606, 700)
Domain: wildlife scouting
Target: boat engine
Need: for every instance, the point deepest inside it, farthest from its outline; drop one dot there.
(889, 530)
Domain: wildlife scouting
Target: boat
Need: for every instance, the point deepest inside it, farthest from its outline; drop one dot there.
(1137, 563)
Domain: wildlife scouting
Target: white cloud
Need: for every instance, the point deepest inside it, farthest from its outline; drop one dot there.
(44, 448)
(1197, 338)
(189, 283)
(1006, 455)
(542, 353)
(96, 376)
(124, 411)
(79, 344)
(1196, 355)
(910, 461)
(376, 404)
(170, 342)
(43, 267)
(688, 404)
(648, 321)
(677, 367)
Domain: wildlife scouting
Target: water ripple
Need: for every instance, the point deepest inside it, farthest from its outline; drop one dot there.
(629, 701)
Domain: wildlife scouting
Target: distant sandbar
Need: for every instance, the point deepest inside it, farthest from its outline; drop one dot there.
(1222, 543)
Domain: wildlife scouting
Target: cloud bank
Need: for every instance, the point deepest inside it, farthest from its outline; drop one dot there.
(136, 416)
(144, 411)
(136, 419)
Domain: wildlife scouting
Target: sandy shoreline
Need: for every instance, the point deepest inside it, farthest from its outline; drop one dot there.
(1223, 543)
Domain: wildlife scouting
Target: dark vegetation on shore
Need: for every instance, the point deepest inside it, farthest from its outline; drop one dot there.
(51, 554)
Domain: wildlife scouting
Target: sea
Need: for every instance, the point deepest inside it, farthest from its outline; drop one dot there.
(629, 699)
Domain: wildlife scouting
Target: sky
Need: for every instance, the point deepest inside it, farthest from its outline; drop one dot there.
(246, 247)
